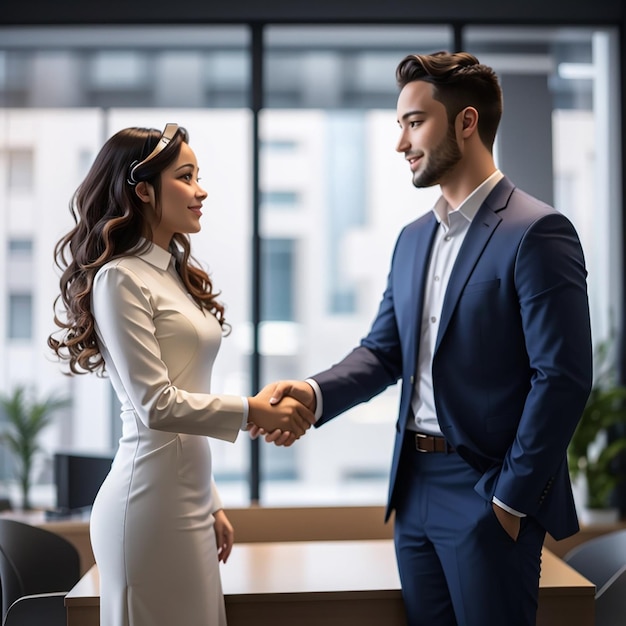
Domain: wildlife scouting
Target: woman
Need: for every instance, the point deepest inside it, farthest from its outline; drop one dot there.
(139, 309)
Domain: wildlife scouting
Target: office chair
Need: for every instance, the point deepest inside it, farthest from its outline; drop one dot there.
(38, 609)
(611, 601)
(35, 561)
(600, 558)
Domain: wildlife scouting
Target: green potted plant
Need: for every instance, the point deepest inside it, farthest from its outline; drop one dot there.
(26, 419)
(592, 453)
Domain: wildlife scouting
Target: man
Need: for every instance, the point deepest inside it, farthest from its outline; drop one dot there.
(485, 320)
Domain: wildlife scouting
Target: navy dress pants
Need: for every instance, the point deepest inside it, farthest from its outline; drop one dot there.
(458, 566)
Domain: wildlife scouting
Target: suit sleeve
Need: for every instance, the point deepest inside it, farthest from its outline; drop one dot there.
(550, 279)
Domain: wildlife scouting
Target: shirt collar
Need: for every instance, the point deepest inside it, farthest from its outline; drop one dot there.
(469, 207)
(157, 256)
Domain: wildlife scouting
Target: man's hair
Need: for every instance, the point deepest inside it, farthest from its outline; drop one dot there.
(459, 80)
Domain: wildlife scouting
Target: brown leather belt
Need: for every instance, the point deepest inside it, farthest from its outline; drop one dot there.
(431, 443)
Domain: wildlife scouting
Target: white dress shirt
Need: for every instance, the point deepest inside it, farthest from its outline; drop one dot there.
(453, 226)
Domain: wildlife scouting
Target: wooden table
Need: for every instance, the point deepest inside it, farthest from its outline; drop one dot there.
(337, 583)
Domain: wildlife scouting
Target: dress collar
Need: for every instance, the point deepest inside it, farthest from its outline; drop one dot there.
(155, 255)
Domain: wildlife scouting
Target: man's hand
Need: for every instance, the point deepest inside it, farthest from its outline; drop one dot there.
(300, 391)
(511, 523)
(270, 415)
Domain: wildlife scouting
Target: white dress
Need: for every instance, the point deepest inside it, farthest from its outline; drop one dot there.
(152, 523)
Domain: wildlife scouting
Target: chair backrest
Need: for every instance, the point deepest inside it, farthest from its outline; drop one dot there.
(34, 560)
(611, 601)
(600, 558)
(35, 610)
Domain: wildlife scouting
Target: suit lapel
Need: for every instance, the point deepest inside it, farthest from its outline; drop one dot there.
(424, 237)
(481, 229)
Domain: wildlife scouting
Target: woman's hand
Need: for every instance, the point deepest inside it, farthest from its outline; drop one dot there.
(277, 437)
(224, 535)
(289, 415)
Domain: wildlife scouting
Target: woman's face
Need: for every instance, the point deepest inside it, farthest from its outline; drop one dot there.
(181, 198)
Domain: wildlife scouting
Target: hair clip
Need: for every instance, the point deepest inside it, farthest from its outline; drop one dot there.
(166, 136)
(131, 179)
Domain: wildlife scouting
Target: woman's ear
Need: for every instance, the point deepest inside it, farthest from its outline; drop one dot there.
(145, 192)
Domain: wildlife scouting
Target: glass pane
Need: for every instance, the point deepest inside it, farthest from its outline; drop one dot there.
(65, 92)
(20, 316)
(559, 140)
(328, 136)
(20, 247)
(20, 162)
(124, 66)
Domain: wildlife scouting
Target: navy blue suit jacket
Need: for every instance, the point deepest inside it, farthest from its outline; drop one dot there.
(512, 366)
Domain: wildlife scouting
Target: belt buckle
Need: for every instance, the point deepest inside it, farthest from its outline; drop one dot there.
(420, 436)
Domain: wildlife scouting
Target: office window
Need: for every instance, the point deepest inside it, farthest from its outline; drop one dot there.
(20, 316)
(19, 269)
(328, 134)
(20, 282)
(117, 69)
(333, 194)
(279, 145)
(85, 159)
(279, 199)
(20, 248)
(66, 139)
(558, 138)
(20, 169)
(279, 264)
(15, 68)
(108, 66)
(6, 460)
(6, 457)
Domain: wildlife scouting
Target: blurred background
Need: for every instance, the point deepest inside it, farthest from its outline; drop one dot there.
(294, 127)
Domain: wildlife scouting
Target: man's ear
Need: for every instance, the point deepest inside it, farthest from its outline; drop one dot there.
(469, 121)
(145, 192)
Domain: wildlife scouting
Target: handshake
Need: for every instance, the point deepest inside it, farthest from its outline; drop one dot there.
(282, 411)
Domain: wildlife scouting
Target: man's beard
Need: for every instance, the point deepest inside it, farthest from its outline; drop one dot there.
(440, 161)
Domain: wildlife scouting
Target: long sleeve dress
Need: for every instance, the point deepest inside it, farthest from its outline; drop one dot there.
(152, 521)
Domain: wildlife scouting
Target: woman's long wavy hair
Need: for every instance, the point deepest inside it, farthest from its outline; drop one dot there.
(110, 222)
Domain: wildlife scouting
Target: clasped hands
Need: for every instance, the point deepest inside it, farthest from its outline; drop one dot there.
(282, 412)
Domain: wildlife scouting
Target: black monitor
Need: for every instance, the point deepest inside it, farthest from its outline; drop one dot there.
(78, 477)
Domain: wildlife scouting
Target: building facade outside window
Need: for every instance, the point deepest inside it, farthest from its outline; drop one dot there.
(20, 316)
(333, 195)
